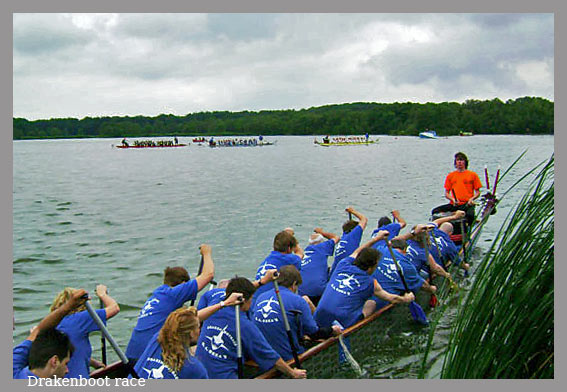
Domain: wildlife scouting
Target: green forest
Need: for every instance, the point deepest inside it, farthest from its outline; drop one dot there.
(526, 115)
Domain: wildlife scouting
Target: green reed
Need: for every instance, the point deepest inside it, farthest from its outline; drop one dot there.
(505, 325)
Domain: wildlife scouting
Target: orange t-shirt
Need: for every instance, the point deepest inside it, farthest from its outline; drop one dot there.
(463, 183)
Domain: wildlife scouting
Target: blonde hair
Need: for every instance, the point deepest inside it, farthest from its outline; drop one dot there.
(63, 297)
(174, 336)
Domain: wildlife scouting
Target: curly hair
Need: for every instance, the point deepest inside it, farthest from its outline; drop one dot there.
(63, 297)
(175, 336)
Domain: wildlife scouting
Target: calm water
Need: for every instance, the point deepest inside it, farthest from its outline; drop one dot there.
(87, 213)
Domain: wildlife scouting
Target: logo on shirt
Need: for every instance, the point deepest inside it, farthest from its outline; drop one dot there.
(158, 372)
(306, 258)
(389, 270)
(263, 268)
(346, 284)
(341, 247)
(146, 310)
(264, 308)
(217, 347)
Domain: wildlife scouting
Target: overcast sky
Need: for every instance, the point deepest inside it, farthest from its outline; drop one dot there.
(77, 65)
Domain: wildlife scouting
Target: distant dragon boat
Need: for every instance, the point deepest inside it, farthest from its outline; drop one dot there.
(238, 144)
(151, 146)
(345, 143)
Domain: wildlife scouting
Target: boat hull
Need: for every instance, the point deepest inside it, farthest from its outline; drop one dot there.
(173, 145)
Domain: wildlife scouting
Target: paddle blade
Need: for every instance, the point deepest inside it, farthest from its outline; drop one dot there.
(417, 313)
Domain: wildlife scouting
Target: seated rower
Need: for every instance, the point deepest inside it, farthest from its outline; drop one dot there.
(167, 354)
(218, 294)
(78, 324)
(417, 255)
(449, 253)
(46, 351)
(177, 288)
(351, 285)
(350, 239)
(389, 278)
(314, 266)
(286, 251)
(268, 315)
(385, 223)
(217, 345)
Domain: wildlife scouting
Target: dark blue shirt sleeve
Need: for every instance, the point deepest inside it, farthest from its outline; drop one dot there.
(184, 292)
(256, 347)
(20, 356)
(307, 320)
(84, 321)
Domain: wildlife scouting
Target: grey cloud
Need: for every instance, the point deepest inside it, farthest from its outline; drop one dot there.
(35, 34)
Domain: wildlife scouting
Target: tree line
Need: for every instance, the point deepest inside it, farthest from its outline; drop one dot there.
(526, 115)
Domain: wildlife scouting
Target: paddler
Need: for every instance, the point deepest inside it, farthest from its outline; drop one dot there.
(177, 288)
(217, 345)
(268, 315)
(351, 285)
(350, 239)
(46, 351)
(286, 250)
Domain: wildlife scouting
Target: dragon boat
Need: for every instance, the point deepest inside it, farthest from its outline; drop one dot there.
(150, 146)
(345, 143)
(322, 359)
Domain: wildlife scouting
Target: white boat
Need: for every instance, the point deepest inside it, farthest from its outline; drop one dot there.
(428, 135)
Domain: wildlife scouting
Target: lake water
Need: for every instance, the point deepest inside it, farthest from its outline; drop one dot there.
(85, 212)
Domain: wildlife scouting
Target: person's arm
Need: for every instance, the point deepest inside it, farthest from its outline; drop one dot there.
(392, 298)
(434, 267)
(283, 367)
(381, 235)
(110, 305)
(205, 313)
(397, 216)
(208, 272)
(55, 317)
(428, 287)
(330, 236)
(298, 250)
(476, 194)
(456, 215)
(267, 278)
(362, 220)
(413, 233)
(449, 195)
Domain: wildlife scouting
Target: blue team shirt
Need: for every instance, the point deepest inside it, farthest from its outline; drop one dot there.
(415, 254)
(150, 364)
(211, 297)
(216, 347)
(314, 268)
(78, 326)
(20, 359)
(393, 230)
(275, 260)
(348, 243)
(344, 296)
(447, 247)
(268, 319)
(162, 302)
(387, 275)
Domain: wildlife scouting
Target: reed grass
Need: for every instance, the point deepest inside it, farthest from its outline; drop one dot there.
(505, 325)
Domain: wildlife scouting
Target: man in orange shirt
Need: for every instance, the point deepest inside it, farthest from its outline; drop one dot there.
(462, 187)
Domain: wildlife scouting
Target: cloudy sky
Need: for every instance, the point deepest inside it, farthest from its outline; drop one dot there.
(77, 65)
